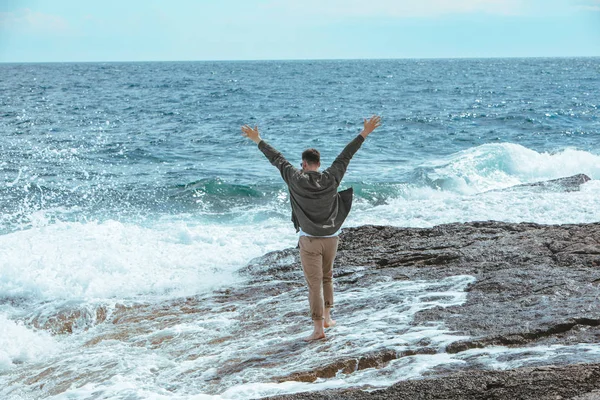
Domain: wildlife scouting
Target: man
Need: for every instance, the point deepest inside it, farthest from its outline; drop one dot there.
(318, 211)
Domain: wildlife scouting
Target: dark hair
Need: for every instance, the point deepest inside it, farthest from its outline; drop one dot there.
(311, 156)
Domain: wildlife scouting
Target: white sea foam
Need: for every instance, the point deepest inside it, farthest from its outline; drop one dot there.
(19, 344)
(426, 207)
(497, 166)
(147, 360)
(468, 190)
(500, 357)
(113, 259)
(181, 361)
(413, 367)
(120, 388)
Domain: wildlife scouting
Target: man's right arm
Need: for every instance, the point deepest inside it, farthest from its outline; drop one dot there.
(339, 166)
(275, 157)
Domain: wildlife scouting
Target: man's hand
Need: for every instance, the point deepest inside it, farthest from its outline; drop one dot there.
(370, 125)
(251, 134)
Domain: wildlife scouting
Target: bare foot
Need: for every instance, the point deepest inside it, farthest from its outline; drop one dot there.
(328, 323)
(314, 336)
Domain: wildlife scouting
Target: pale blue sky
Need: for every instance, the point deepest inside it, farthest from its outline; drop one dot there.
(152, 30)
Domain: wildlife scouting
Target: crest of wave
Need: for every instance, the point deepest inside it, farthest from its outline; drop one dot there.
(497, 166)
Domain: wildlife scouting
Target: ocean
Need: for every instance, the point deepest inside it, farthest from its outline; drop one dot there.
(128, 196)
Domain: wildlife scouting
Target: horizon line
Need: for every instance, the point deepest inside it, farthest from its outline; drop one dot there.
(299, 59)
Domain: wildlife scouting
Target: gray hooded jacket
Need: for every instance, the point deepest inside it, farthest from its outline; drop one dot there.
(317, 207)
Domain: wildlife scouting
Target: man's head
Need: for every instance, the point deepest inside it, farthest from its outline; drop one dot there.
(311, 159)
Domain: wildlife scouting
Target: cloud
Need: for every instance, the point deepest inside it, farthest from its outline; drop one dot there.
(26, 20)
(394, 8)
(590, 5)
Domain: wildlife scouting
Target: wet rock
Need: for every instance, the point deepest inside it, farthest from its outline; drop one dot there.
(329, 371)
(347, 366)
(595, 395)
(535, 285)
(530, 278)
(376, 360)
(581, 382)
(524, 338)
(69, 319)
(567, 184)
(38, 377)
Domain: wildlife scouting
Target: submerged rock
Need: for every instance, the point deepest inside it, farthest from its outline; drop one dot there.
(566, 184)
(69, 319)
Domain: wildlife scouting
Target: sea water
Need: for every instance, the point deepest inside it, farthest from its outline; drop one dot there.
(127, 190)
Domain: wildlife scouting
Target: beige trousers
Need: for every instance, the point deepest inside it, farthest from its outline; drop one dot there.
(317, 255)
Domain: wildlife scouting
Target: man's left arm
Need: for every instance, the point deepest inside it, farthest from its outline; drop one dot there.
(274, 157)
(339, 166)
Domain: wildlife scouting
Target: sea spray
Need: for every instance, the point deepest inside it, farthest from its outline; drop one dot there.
(111, 259)
(20, 344)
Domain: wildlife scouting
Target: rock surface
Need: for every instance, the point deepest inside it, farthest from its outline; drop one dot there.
(566, 184)
(576, 382)
(535, 285)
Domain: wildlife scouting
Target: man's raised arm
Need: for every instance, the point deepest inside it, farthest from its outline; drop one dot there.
(275, 157)
(338, 168)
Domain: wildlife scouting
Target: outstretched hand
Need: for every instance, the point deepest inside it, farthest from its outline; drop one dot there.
(251, 133)
(370, 125)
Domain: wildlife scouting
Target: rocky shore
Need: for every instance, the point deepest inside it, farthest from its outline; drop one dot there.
(535, 285)
(478, 310)
(574, 382)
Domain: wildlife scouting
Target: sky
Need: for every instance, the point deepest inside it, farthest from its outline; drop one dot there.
(181, 30)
